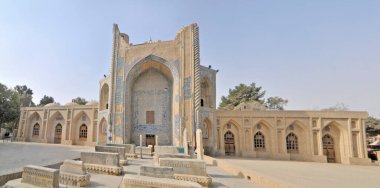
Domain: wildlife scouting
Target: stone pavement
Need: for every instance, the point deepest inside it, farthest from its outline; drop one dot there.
(308, 174)
(14, 156)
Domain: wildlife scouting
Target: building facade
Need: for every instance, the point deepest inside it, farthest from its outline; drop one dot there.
(159, 90)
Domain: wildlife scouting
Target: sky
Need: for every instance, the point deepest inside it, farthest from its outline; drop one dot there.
(313, 53)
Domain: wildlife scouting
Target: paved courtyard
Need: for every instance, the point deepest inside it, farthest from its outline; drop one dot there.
(309, 174)
(14, 156)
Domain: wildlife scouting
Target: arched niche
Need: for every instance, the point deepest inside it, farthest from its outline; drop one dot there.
(298, 129)
(333, 130)
(206, 93)
(54, 119)
(266, 129)
(104, 96)
(233, 127)
(151, 106)
(80, 119)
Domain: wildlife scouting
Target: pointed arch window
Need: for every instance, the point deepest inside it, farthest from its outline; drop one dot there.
(259, 141)
(36, 130)
(83, 132)
(292, 143)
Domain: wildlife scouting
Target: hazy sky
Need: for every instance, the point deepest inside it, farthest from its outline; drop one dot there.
(314, 53)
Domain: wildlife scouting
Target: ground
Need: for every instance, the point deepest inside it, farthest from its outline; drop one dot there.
(293, 174)
(306, 174)
(16, 155)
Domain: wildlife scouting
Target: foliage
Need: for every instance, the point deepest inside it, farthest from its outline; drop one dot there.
(337, 107)
(276, 103)
(9, 105)
(242, 93)
(26, 95)
(80, 100)
(372, 122)
(46, 100)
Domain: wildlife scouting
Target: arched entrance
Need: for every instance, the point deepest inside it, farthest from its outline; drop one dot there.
(328, 148)
(58, 134)
(229, 143)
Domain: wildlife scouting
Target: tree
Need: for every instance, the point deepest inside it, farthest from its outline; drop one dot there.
(242, 93)
(46, 100)
(26, 95)
(276, 103)
(372, 122)
(80, 101)
(337, 107)
(9, 105)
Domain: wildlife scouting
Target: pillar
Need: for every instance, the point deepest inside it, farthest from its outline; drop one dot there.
(199, 144)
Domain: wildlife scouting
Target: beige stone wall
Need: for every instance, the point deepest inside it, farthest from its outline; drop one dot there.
(70, 117)
(345, 128)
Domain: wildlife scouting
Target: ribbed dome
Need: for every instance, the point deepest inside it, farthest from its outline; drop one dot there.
(52, 104)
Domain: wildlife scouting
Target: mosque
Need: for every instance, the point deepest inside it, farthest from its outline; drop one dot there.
(160, 90)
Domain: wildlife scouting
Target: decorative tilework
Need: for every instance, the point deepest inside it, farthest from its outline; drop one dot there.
(187, 88)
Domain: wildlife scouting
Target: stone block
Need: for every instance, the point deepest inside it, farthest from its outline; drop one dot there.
(71, 166)
(166, 149)
(102, 162)
(40, 176)
(157, 171)
(134, 181)
(185, 166)
(129, 149)
(205, 181)
(156, 157)
(114, 149)
(102, 158)
(145, 150)
(73, 173)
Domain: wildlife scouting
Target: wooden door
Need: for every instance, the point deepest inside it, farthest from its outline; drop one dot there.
(150, 140)
(58, 134)
(328, 148)
(229, 143)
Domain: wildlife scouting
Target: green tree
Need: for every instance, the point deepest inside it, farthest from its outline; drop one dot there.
(242, 93)
(337, 107)
(80, 100)
(372, 122)
(46, 100)
(276, 103)
(9, 105)
(26, 95)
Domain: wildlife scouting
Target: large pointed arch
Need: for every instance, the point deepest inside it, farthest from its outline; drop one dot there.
(160, 67)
